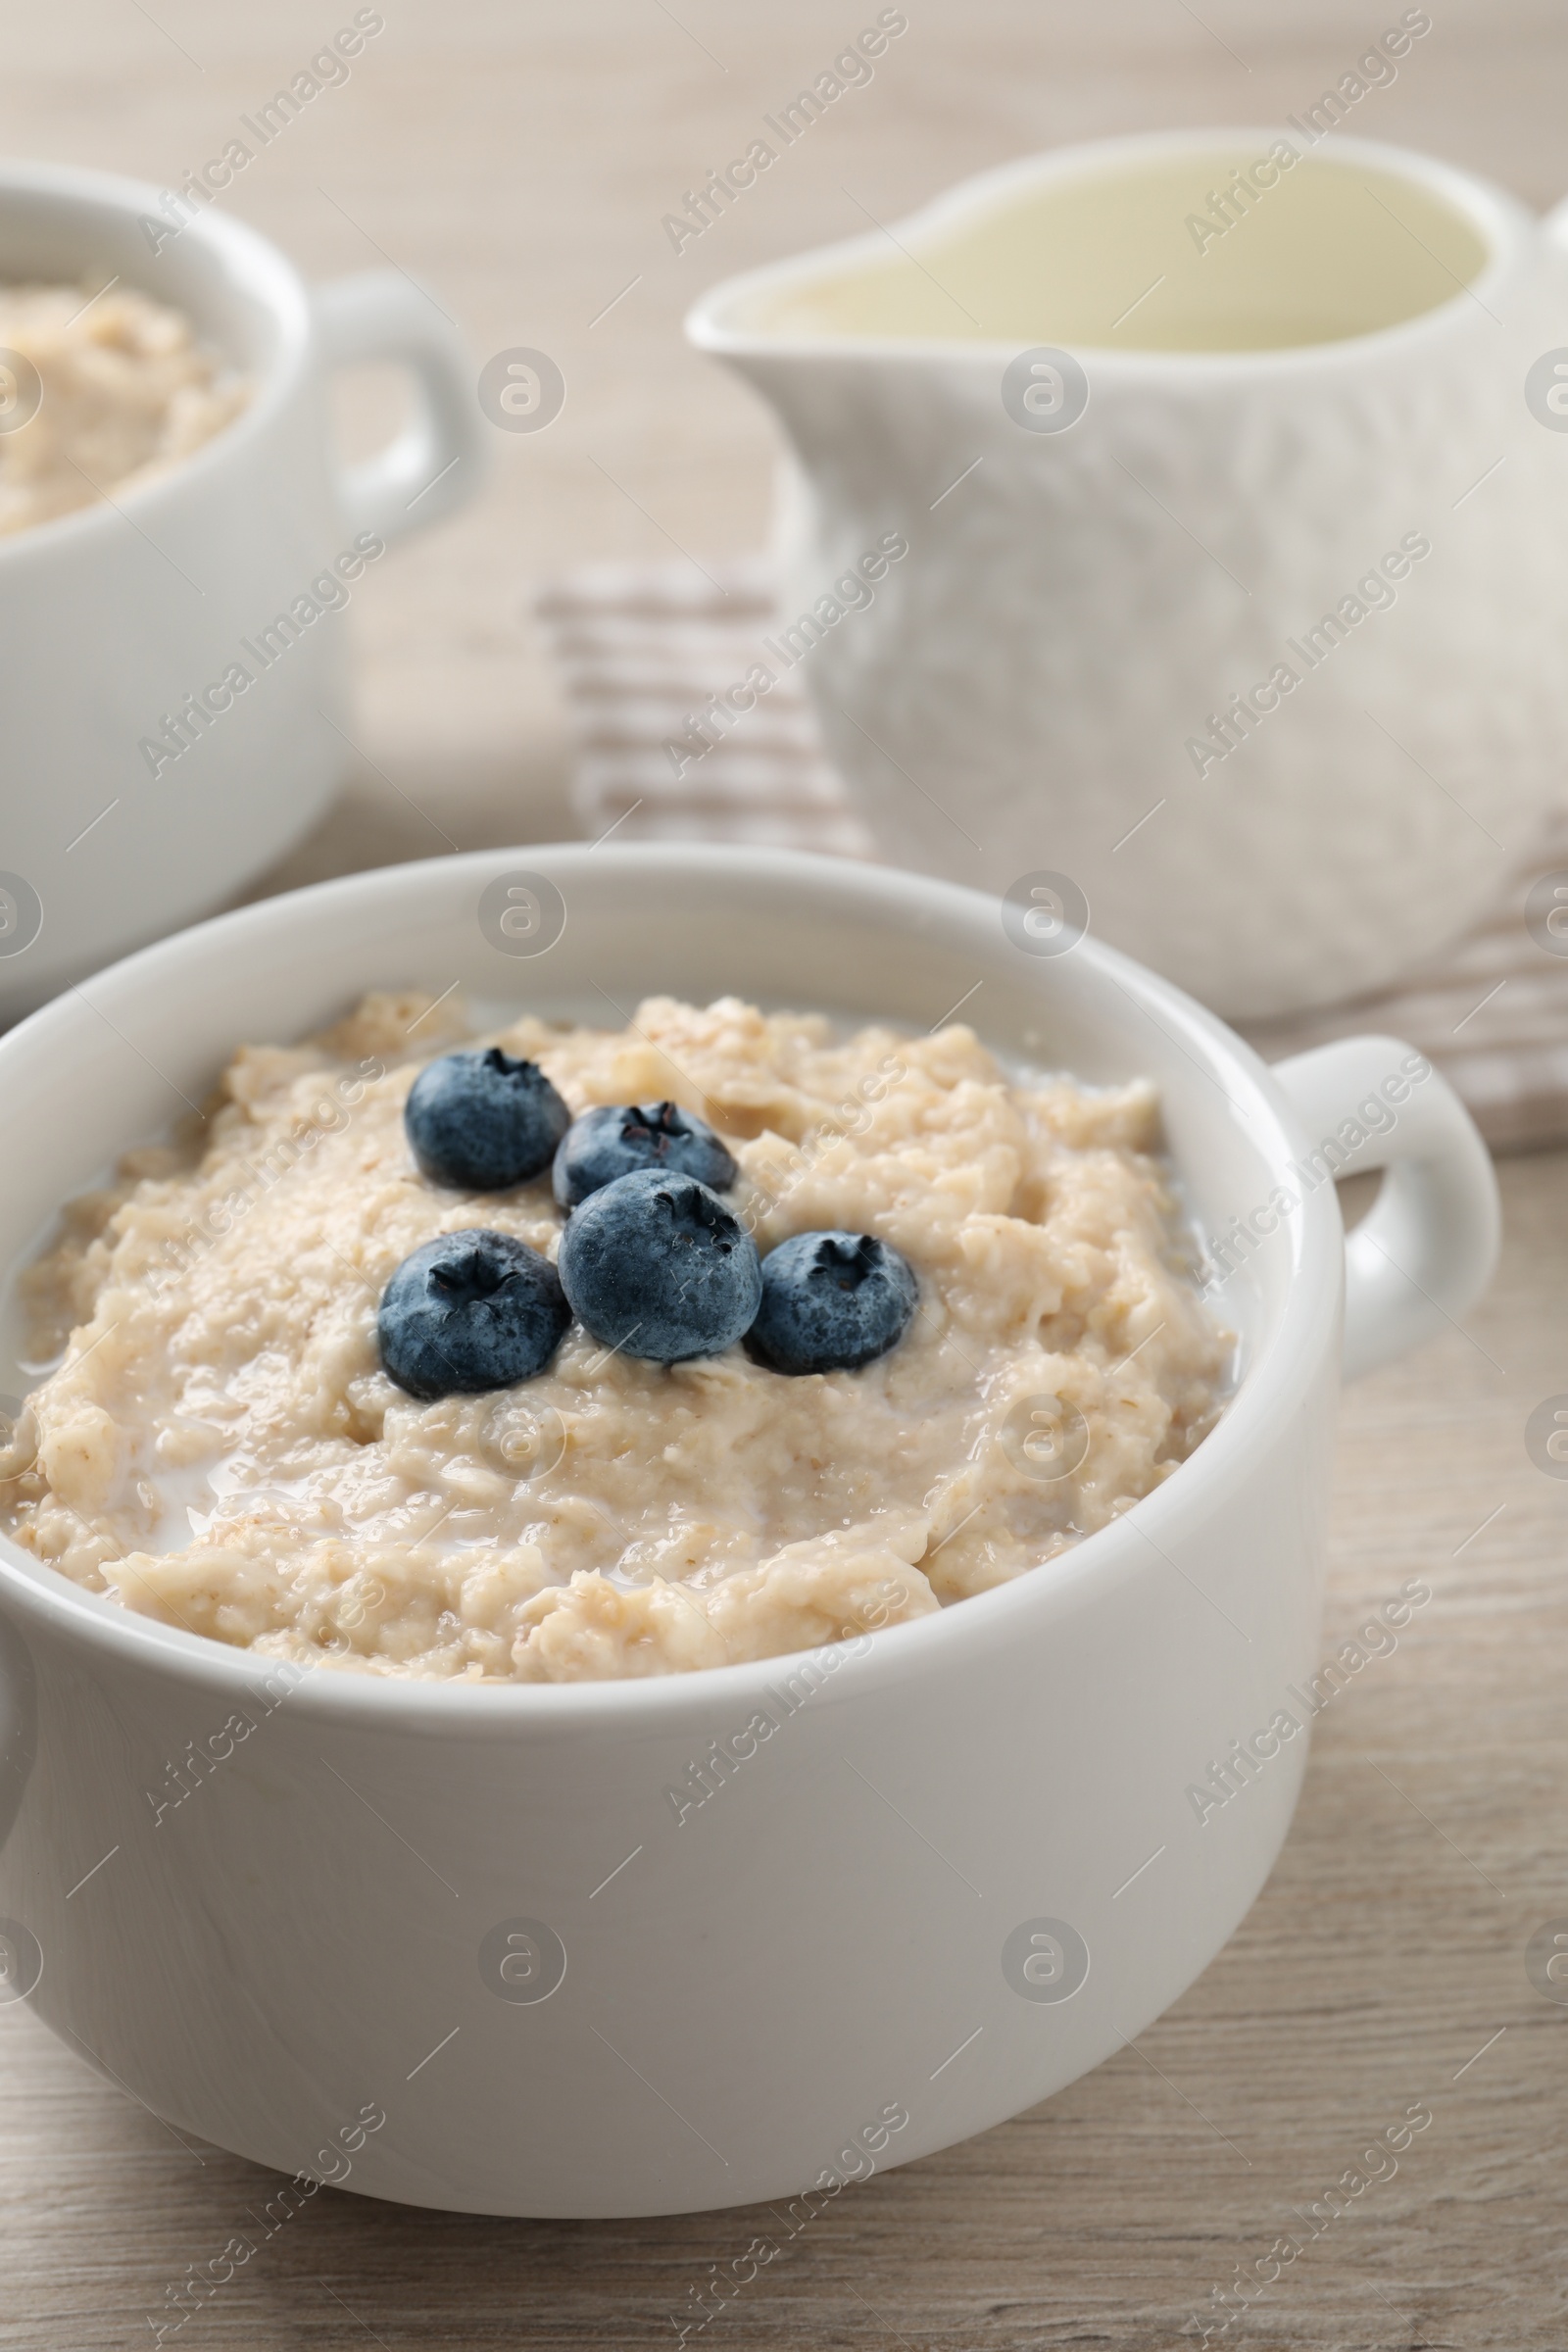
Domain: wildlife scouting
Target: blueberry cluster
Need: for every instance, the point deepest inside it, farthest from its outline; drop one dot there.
(652, 1262)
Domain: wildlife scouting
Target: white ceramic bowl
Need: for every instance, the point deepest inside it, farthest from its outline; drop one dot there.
(117, 618)
(888, 1907)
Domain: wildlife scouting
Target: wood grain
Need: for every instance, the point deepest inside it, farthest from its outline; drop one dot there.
(516, 160)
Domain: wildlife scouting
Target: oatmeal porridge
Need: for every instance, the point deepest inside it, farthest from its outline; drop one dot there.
(122, 389)
(949, 1321)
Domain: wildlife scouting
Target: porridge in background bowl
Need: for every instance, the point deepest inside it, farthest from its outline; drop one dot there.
(222, 1447)
(117, 388)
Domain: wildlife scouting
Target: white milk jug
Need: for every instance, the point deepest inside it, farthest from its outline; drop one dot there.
(1233, 468)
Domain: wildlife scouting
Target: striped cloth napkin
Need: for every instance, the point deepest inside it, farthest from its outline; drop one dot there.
(642, 648)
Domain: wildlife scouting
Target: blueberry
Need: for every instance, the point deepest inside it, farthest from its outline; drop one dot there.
(624, 1137)
(483, 1122)
(831, 1302)
(469, 1311)
(654, 1264)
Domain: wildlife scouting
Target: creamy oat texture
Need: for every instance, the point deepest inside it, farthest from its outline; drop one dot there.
(123, 390)
(219, 1448)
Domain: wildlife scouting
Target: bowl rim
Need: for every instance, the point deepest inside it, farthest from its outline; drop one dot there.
(1284, 1363)
(266, 274)
(1496, 218)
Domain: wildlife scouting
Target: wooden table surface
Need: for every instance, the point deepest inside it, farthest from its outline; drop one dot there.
(516, 159)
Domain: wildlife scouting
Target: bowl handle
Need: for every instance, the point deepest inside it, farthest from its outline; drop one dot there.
(435, 464)
(1427, 1248)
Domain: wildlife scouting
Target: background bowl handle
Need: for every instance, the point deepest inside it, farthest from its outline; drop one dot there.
(434, 466)
(1427, 1248)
